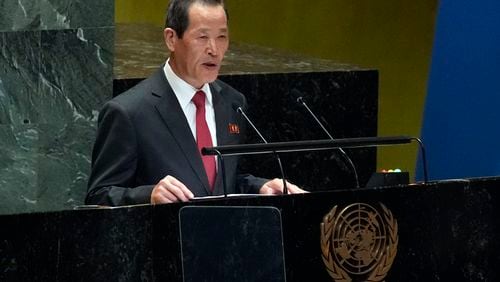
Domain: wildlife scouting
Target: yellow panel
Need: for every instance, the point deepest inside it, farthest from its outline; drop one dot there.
(141, 11)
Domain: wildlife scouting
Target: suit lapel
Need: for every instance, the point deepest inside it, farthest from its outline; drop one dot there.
(223, 114)
(169, 109)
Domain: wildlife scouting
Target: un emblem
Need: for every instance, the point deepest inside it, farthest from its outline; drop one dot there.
(359, 242)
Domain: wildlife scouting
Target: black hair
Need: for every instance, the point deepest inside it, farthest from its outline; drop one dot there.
(178, 13)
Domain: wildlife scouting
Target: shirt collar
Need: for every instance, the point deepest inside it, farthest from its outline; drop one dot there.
(183, 90)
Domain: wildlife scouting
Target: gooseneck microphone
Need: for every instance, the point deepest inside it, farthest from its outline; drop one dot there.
(301, 101)
(238, 109)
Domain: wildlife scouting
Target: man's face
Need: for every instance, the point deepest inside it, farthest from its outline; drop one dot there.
(197, 56)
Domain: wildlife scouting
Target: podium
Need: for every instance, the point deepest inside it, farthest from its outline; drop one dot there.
(231, 243)
(446, 231)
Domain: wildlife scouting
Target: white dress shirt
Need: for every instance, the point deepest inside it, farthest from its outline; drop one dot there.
(185, 93)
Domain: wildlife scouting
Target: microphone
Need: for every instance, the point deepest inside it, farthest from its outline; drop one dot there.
(238, 109)
(296, 93)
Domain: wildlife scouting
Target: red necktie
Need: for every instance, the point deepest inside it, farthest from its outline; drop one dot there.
(203, 137)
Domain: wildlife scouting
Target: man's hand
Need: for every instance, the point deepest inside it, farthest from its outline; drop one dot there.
(170, 190)
(275, 187)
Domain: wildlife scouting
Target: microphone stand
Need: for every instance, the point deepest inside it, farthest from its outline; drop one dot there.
(316, 145)
(285, 188)
(222, 170)
(343, 153)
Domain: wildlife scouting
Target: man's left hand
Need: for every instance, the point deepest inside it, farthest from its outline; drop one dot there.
(275, 187)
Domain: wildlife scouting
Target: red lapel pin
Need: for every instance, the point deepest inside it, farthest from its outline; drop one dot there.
(233, 128)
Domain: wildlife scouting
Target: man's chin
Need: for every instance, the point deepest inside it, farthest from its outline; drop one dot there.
(211, 78)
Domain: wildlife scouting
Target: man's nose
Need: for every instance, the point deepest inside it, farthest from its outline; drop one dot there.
(212, 47)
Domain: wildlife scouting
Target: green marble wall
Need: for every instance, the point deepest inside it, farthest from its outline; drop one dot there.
(55, 72)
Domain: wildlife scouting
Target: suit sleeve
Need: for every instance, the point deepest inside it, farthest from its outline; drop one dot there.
(250, 184)
(114, 161)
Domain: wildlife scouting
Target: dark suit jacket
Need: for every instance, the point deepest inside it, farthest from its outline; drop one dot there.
(143, 136)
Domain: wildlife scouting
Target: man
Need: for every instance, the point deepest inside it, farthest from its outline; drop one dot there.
(149, 138)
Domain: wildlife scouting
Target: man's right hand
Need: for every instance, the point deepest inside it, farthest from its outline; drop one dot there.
(170, 190)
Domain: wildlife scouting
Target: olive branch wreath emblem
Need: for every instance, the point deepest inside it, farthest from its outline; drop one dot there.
(383, 263)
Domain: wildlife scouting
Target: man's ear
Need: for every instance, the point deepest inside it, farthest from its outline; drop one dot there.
(170, 37)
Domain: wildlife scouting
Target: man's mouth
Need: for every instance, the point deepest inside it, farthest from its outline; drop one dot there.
(210, 65)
